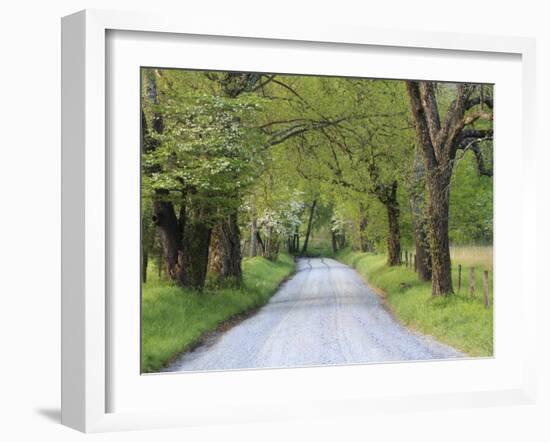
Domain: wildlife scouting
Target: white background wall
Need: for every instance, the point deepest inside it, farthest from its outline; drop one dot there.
(30, 219)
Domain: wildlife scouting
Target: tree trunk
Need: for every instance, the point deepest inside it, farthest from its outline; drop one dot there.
(422, 247)
(394, 234)
(260, 242)
(363, 223)
(160, 263)
(184, 242)
(144, 262)
(438, 185)
(334, 242)
(268, 248)
(341, 240)
(417, 190)
(295, 241)
(254, 237)
(164, 217)
(387, 194)
(225, 250)
(309, 224)
(196, 241)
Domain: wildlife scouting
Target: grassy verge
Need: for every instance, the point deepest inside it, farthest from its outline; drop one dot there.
(459, 320)
(173, 320)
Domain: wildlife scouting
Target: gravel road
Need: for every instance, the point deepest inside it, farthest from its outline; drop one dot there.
(325, 315)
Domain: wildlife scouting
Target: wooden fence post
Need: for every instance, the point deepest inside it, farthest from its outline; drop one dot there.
(459, 277)
(486, 288)
(472, 281)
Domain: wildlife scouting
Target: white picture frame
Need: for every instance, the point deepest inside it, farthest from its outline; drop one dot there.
(86, 316)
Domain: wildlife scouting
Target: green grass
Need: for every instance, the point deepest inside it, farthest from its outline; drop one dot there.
(173, 320)
(458, 320)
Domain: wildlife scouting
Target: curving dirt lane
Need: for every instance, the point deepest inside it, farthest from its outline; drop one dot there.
(325, 315)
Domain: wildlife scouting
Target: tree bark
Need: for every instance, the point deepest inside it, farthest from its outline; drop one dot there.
(363, 223)
(160, 263)
(225, 250)
(417, 189)
(422, 247)
(309, 224)
(268, 245)
(164, 217)
(334, 242)
(254, 237)
(387, 194)
(394, 234)
(438, 186)
(144, 262)
(260, 243)
(184, 242)
(196, 241)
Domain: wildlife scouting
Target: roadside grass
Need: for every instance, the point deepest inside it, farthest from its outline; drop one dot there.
(460, 320)
(173, 319)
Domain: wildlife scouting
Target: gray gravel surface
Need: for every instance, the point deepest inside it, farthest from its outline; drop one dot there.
(324, 315)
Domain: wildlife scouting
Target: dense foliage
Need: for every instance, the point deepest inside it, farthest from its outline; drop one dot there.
(244, 164)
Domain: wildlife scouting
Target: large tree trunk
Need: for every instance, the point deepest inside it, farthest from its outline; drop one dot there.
(334, 241)
(387, 194)
(184, 243)
(438, 185)
(196, 241)
(164, 217)
(160, 262)
(309, 224)
(225, 250)
(422, 248)
(417, 191)
(394, 234)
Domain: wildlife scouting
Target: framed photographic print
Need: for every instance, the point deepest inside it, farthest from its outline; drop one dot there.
(265, 223)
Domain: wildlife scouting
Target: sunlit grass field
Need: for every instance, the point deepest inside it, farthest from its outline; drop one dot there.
(460, 320)
(477, 256)
(173, 320)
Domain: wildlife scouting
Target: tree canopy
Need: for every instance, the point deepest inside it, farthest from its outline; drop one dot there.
(239, 164)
